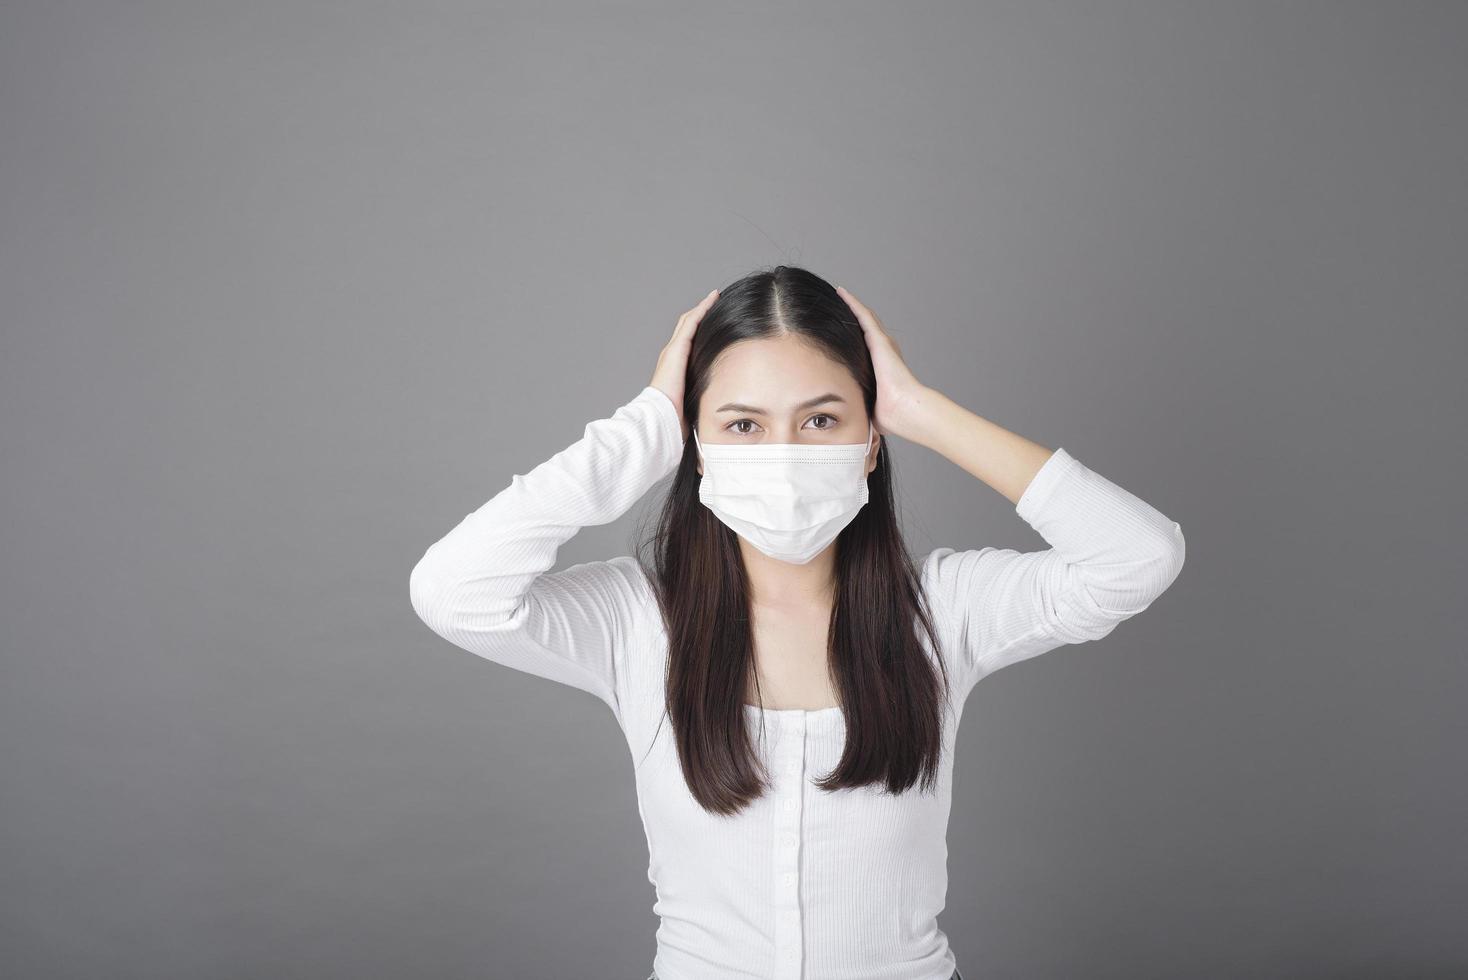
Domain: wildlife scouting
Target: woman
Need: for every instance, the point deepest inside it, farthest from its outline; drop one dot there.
(788, 681)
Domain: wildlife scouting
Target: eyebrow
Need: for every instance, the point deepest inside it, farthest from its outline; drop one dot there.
(829, 396)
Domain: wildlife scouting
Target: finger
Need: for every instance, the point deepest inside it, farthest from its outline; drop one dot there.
(695, 315)
(688, 322)
(864, 316)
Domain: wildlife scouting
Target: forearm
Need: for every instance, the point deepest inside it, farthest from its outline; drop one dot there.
(485, 565)
(1003, 459)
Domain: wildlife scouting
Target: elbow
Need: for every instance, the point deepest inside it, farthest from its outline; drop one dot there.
(428, 592)
(1087, 605)
(1101, 604)
(1168, 550)
(1165, 553)
(1172, 551)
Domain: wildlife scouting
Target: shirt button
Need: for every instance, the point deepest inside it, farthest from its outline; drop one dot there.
(789, 877)
(792, 767)
(790, 841)
(789, 805)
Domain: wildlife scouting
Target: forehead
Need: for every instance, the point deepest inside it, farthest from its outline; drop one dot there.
(776, 374)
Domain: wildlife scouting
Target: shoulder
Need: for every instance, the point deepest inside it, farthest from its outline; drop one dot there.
(632, 576)
(641, 663)
(947, 573)
(975, 598)
(949, 578)
(633, 581)
(607, 596)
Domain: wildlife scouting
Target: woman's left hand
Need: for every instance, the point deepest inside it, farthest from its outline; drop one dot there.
(899, 393)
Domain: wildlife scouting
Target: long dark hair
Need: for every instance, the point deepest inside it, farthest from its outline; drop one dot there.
(892, 697)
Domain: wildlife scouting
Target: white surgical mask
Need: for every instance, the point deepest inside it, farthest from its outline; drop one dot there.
(788, 500)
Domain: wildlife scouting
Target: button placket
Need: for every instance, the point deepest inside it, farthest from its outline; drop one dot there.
(789, 791)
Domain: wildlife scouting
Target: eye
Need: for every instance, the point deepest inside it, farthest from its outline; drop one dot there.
(823, 415)
(742, 432)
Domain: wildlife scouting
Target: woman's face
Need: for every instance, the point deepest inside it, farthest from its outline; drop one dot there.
(782, 390)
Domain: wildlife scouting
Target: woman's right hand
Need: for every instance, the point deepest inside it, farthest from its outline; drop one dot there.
(673, 361)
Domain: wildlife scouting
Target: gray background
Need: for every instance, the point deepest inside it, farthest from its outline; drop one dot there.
(290, 288)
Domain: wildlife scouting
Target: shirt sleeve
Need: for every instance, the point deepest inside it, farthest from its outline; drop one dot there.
(1111, 555)
(486, 586)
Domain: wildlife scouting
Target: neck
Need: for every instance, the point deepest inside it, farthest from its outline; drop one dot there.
(774, 583)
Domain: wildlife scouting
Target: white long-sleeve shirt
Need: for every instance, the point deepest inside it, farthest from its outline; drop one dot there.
(803, 884)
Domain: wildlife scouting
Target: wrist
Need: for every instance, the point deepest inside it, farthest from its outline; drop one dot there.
(918, 416)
